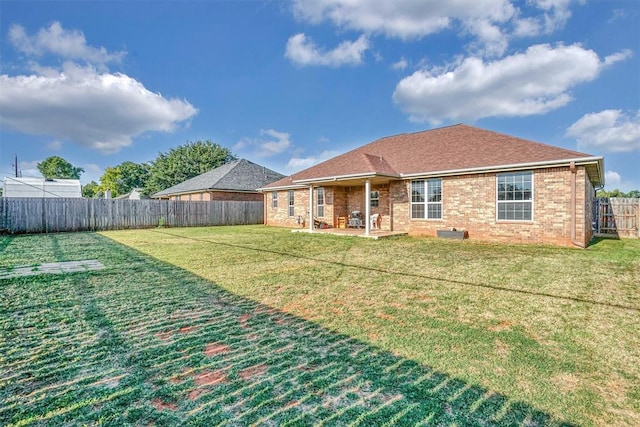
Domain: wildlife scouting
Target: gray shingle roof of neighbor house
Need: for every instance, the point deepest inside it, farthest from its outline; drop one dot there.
(450, 150)
(239, 175)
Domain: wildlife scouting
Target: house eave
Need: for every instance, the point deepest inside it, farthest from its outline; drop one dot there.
(581, 161)
(335, 178)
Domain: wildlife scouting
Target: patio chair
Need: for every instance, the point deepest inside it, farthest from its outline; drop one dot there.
(376, 221)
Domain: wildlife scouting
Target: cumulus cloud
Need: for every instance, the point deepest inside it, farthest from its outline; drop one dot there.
(612, 178)
(68, 44)
(79, 104)
(303, 51)
(81, 101)
(554, 16)
(270, 143)
(299, 163)
(533, 82)
(608, 130)
(404, 19)
(400, 65)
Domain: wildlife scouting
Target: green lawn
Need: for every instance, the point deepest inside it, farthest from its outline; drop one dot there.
(252, 324)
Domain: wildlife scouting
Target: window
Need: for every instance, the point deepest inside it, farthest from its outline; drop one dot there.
(515, 196)
(374, 197)
(274, 199)
(426, 199)
(320, 201)
(291, 202)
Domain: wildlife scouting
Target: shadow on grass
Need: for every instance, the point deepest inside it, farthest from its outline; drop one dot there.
(409, 274)
(146, 343)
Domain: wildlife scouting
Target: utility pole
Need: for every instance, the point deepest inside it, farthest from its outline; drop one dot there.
(15, 165)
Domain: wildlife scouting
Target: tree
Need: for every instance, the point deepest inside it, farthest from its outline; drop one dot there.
(91, 190)
(125, 177)
(56, 167)
(617, 193)
(184, 162)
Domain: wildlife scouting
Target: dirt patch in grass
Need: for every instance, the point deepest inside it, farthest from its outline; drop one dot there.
(253, 371)
(164, 336)
(161, 405)
(208, 378)
(196, 393)
(505, 325)
(187, 329)
(243, 319)
(214, 348)
(566, 382)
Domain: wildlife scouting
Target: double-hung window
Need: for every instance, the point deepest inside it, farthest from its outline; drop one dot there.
(274, 199)
(426, 199)
(291, 202)
(374, 198)
(320, 201)
(514, 196)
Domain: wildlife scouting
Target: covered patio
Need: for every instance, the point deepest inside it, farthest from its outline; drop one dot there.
(352, 232)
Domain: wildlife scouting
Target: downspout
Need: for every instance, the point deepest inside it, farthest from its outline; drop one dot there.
(574, 177)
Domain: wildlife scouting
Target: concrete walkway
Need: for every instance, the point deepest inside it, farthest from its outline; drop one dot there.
(52, 268)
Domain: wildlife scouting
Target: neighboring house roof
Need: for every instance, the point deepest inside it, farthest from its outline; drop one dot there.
(238, 175)
(41, 187)
(451, 150)
(134, 194)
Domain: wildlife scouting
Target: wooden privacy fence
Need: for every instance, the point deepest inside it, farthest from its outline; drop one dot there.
(50, 215)
(617, 216)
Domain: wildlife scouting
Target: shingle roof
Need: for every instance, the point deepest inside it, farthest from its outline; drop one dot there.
(451, 148)
(239, 175)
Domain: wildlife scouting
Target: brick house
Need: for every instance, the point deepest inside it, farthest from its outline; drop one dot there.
(494, 186)
(238, 180)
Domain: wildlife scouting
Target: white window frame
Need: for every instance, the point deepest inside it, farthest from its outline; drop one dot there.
(291, 198)
(530, 201)
(320, 201)
(426, 203)
(274, 199)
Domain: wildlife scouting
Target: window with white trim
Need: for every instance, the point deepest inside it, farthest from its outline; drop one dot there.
(426, 199)
(291, 202)
(374, 198)
(320, 201)
(274, 199)
(514, 196)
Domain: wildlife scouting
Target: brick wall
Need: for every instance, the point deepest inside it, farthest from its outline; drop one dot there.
(469, 202)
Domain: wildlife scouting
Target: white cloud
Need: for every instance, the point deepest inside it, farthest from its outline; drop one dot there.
(78, 104)
(400, 65)
(533, 82)
(608, 130)
(269, 144)
(68, 44)
(612, 178)
(303, 51)
(404, 19)
(29, 169)
(299, 163)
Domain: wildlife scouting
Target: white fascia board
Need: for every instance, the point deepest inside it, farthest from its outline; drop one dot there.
(325, 179)
(515, 166)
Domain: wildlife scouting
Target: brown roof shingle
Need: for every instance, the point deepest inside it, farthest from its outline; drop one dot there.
(451, 148)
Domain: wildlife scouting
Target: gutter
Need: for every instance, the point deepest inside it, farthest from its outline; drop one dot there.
(343, 177)
(515, 166)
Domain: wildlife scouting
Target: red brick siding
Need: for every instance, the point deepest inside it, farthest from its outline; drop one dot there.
(468, 202)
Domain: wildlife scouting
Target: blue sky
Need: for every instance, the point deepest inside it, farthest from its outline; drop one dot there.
(288, 84)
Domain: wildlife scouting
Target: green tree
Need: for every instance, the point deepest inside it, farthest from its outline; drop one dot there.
(125, 177)
(184, 162)
(91, 190)
(56, 167)
(617, 193)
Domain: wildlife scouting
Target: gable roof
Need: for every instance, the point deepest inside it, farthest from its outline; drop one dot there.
(450, 150)
(239, 175)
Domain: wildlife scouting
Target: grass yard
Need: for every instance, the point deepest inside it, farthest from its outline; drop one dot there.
(257, 325)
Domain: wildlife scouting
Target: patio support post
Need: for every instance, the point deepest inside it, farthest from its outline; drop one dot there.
(311, 209)
(367, 209)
